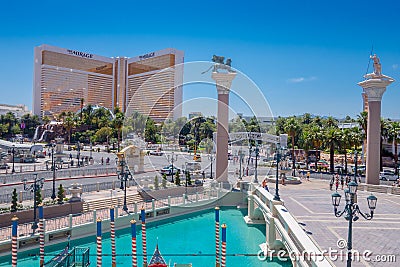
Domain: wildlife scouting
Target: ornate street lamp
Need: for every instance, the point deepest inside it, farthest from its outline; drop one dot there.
(78, 155)
(211, 158)
(241, 154)
(37, 185)
(351, 212)
(276, 197)
(53, 168)
(13, 153)
(171, 159)
(123, 175)
(355, 166)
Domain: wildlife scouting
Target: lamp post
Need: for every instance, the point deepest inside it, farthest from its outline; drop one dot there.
(276, 197)
(171, 157)
(241, 154)
(37, 185)
(123, 175)
(53, 168)
(355, 166)
(351, 212)
(13, 153)
(257, 150)
(212, 158)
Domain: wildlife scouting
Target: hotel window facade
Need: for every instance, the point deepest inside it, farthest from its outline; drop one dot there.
(150, 84)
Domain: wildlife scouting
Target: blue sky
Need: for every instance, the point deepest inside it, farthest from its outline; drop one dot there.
(305, 56)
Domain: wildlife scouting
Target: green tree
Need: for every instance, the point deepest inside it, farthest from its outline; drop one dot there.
(15, 129)
(164, 180)
(156, 183)
(394, 137)
(150, 134)
(316, 137)
(188, 179)
(118, 122)
(362, 120)
(38, 197)
(292, 128)
(69, 124)
(60, 194)
(14, 200)
(332, 140)
(384, 135)
(103, 134)
(177, 178)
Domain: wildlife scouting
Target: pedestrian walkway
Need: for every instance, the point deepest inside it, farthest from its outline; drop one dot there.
(311, 204)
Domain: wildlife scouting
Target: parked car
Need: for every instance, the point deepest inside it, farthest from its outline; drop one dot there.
(387, 176)
(156, 153)
(168, 170)
(4, 165)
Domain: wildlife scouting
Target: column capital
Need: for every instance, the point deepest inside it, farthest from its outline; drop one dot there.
(375, 86)
(223, 81)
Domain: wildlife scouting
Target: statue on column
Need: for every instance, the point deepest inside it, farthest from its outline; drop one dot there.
(377, 70)
(377, 65)
(219, 64)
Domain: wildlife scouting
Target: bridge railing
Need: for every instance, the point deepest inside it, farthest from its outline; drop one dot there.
(304, 251)
(76, 220)
(60, 173)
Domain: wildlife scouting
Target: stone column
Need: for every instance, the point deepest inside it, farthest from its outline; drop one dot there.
(374, 86)
(223, 82)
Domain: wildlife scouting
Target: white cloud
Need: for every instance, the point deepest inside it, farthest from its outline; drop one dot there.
(395, 66)
(302, 79)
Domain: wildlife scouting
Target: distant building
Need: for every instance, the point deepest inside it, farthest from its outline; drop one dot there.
(193, 115)
(17, 110)
(261, 120)
(150, 83)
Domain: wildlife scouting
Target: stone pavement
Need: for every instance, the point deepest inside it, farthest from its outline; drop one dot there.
(310, 203)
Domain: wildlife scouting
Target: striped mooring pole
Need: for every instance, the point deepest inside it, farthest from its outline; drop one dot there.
(217, 236)
(41, 234)
(112, 234)
(98, 240)
(133, 231)
(144, 245)
(14, 239)
(223, 250)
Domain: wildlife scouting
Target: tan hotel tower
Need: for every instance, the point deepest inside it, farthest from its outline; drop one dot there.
(150, 83)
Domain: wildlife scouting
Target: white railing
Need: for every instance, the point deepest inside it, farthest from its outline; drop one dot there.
(296, 241)
(67, 222)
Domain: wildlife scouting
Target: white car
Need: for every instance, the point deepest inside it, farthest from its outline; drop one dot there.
(387, 176)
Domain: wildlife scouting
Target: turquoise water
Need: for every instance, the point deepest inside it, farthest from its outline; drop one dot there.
(184, 239)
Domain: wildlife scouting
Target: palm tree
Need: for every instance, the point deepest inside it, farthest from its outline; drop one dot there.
(332, 139)
(362, 120)
(384, 135)
(292, 128)
(345, 143)
(69, 125)
(315, 137)
(118, 122)
(82, 101)
(394, 137)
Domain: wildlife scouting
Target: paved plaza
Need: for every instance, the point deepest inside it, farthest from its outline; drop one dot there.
(310, 203)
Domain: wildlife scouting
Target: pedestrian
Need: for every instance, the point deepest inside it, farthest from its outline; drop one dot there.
(70, 156)
(247, 171)
(331, 183)
(337, 182)
(204, 175)
(107, 161)
(308, 175)
(342, 181)
(102, 161)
